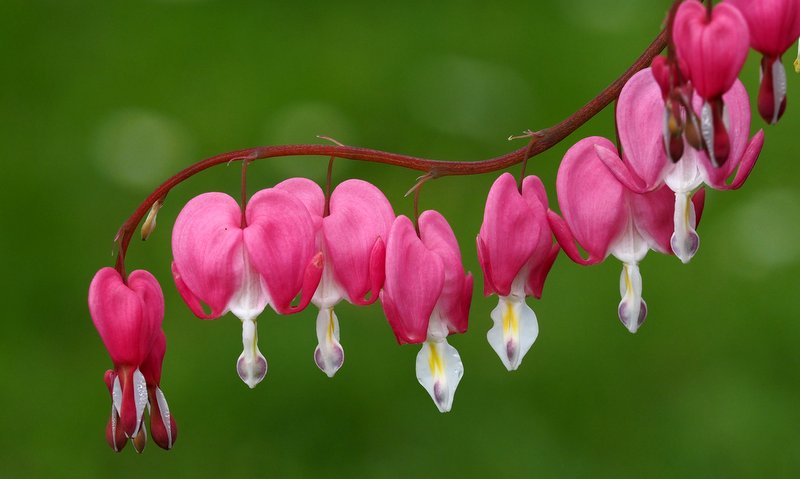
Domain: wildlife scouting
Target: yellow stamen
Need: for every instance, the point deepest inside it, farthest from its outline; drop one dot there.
(435, 362)
(510, 321)
(330, 326)
(628, 285)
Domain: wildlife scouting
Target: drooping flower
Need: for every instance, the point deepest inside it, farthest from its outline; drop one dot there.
(774, 26)
(162, 422)
(605, 217)
(426, 297)
(515, 250)
(241, 263)
(712, 46)
(644, 165)
(128, 316)
(352, 238)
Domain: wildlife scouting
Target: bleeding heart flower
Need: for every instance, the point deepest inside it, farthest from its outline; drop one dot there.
(774, 26)
(426, 297)
(128, 316)
(352, 240)
(240, 265)
(712, 46)
(516, 251)
(606, 218)
(645, 167)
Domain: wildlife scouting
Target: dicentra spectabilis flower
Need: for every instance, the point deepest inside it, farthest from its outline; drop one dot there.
(605, 217)
(241, 263)
(515, 250)
(352, 238)
(774, 26)
(426, 297)
(712, 47)
(162, 423)
(128, 316)
(645, 165)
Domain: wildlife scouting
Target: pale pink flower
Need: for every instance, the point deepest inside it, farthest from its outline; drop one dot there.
(231, 267)
(426, 297)
(515, 250)
(352, 238)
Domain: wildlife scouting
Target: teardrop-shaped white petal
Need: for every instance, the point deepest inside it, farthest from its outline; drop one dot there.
(329, 354)
(684, 241)
(139, 396)
(514, 332)
(251, 365)
(707, 130)
(439, 370)
(163, 408)
(632, 309)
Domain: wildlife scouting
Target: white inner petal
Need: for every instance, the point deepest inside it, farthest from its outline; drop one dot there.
(685, 240)
(329, 354)
(251, 298)
(778, 87)
(140, 396)
(328, 293)
(439, 370)
(514, 331)
(251, 365)
(632, 309)
(707, 129)
(164, 409)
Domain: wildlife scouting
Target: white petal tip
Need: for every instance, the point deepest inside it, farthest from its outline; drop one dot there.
(439, 370)
(329, 361)
(630, 317)
(251, 370)
(514, 331)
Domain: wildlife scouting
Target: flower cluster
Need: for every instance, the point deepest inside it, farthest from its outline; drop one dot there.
(683, 127)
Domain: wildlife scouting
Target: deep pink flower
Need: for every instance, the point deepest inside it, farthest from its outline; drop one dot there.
(645, 166)
(128, 316)
(242, 269)
(606, 218)
(426, 297)
(774, 26)
(515, 250)
(352, 238)
(712, 48)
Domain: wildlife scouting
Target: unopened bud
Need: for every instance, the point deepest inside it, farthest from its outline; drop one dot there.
(676, 148)
(150, 222)
(692, 133)
(140, 439)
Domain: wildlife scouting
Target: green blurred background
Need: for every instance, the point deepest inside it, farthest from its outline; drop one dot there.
(101, 101)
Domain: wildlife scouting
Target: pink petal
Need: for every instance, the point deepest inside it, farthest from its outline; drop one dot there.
(360, 216)
(438, 237)
(654, 219)
(640, 120)
(414, 281)
(699, 202)
(486, 267)
(509, 233)
(567, 241)
(621, 170)
(151, 367)
(207, 247)
(309, 193)
(280, 242)
(773, 24)
(591, 199)
(714, 49)
(748, 161)
(127, 316)
(538, 274)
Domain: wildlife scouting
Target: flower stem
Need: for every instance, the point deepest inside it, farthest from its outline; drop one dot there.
(545, 140)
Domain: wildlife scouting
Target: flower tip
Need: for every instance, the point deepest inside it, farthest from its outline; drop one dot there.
(330, 361)
(140, 439)
(252, 370)
(630, 317)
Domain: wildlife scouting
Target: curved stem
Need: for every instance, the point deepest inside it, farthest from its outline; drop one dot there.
(434, 168)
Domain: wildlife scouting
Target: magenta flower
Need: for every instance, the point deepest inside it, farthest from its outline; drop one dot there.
(515, 250)
(606, 218)
(426, 297)
(774, 26)
(351, 238)
(241, 266)
(712, 47)
(646, 167)
(128, 316)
